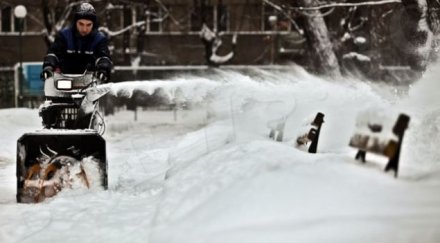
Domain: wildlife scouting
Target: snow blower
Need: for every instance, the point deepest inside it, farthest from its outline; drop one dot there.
(69, 152)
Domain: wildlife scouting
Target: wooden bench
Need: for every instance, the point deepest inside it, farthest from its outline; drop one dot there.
(375, 140)
(312, 135)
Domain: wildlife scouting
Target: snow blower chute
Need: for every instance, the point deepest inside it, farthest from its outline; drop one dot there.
(69, 152)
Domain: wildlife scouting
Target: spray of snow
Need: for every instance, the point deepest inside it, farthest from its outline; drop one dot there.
(193, 91)
(93, 174)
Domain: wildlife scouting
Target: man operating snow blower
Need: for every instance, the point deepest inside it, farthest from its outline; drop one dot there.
(79, 47)
(69, 152)
(80, 51)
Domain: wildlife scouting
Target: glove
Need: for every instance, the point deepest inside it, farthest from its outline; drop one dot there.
(103, 68)
(46, 73)
(101, 75)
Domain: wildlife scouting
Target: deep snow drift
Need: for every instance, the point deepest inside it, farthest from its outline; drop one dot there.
(211, 174)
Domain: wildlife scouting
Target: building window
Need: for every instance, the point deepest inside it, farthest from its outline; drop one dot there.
(9, 22)
(215, 17)
(6, 19)
(17, 23)
(222, 18)
(115, 17)
(202, 15)
(154, 17)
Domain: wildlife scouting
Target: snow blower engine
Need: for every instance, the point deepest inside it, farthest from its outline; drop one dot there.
(69, 152)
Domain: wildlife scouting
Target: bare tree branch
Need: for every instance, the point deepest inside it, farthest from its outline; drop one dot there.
(332, 5)
(280, 9)
(328, 12)
(167, 13)
(65, 15)
(52, 25)
(114, 33)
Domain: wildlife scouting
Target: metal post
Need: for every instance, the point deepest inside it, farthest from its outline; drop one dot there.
(20, 67)
(20, 13)
(273, 23)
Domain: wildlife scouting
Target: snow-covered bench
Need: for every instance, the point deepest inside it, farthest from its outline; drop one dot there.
(311, 133)
(378, 138)
(314, 129)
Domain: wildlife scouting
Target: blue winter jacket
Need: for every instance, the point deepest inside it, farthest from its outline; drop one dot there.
(74, 54)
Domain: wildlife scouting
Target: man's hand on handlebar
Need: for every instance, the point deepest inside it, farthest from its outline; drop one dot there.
(46, 73)
(102, 76)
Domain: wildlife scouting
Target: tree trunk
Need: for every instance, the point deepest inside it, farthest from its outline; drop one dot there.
(418, 33)
(317, 33)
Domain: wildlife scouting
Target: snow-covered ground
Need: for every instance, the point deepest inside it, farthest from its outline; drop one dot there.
(211, 174)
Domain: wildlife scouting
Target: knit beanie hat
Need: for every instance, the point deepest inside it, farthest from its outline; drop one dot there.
(85, 11)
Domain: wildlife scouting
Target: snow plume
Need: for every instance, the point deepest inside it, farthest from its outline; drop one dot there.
(253, 101)
(93, 174)
(190, 91)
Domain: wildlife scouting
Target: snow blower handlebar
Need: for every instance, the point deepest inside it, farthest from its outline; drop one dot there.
(93, 83)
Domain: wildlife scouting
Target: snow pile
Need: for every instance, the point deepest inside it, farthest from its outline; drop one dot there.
(426, 142)
(423, 104)
(13, 124)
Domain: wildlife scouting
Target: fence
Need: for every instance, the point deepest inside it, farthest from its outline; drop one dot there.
(31, 91)
(7, 90)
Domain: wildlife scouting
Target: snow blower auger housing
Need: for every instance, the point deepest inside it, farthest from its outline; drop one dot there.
(49, 161)
(69, 153)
